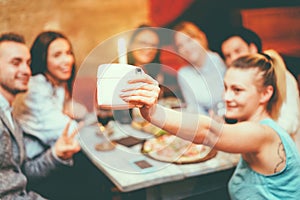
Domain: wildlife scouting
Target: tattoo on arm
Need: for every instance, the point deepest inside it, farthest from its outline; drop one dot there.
(281, 155)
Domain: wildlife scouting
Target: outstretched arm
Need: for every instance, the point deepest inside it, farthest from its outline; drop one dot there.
(237, 138)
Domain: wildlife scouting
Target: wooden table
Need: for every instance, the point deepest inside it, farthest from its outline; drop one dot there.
(118, 164)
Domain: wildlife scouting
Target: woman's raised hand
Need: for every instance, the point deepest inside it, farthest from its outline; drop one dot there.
(66, 145)
(142, 91)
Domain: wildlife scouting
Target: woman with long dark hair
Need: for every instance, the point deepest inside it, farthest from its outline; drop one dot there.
(144, 51)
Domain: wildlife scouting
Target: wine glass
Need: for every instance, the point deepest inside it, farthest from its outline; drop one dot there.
(105, 132)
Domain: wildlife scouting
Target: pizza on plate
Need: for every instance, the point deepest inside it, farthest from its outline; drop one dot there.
(170, 148)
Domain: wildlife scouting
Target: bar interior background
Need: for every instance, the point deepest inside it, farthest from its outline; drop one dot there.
(90, 22)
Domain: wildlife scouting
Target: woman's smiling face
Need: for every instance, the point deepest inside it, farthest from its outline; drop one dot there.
(60, 60)
(189, 48)
(145, 47)
(242, 97)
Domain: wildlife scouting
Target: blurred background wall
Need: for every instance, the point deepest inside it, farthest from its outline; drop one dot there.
(85, 22)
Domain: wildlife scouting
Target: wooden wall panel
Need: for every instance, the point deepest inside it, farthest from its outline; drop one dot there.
(279, 28)
(86, 22)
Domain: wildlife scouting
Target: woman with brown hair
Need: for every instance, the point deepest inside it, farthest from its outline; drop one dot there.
(201, 81)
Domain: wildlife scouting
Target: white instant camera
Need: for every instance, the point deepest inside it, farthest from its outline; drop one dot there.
(111, 79)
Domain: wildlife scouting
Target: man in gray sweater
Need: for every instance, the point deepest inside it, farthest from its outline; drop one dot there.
(14, 166)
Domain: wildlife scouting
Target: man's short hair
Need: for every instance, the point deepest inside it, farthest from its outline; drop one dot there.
(12, 37)
(247, 35)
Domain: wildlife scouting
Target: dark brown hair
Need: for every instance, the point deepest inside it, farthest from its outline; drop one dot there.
(39, 51)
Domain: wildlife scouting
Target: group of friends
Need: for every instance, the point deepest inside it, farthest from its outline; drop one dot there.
(40, 119)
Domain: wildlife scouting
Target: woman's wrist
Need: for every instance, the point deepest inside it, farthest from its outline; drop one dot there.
(155, 115)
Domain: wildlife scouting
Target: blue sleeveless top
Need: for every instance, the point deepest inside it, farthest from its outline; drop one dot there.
(248, 184)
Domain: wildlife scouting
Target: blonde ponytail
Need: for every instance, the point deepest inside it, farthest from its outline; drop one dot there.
(280, 73)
